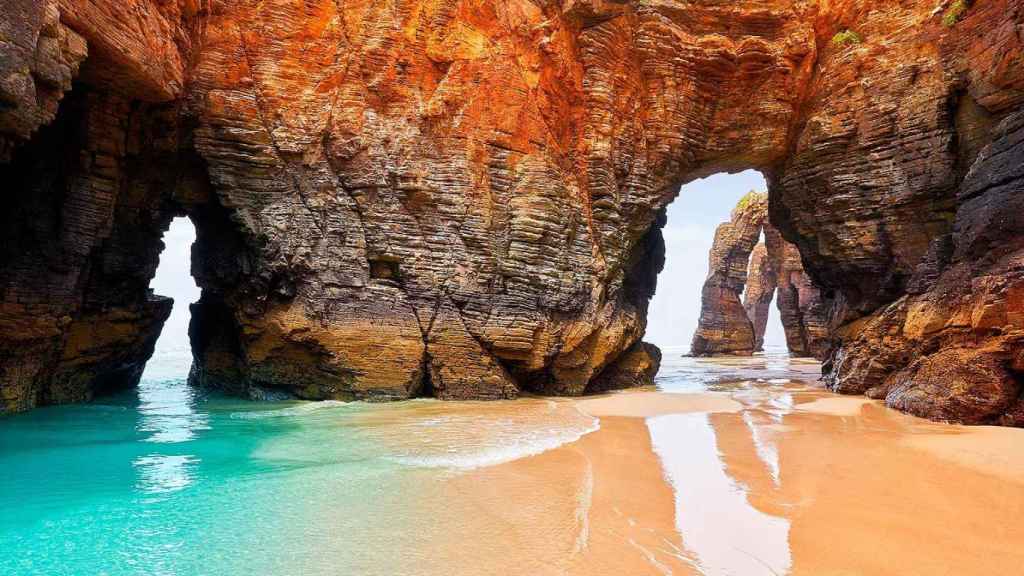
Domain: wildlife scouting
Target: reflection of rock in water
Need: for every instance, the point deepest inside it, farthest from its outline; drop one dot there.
(726, 534)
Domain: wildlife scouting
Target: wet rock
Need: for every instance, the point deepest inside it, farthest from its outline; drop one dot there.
(634, 368)
(90, 197)
(955, 384)
(950, 349)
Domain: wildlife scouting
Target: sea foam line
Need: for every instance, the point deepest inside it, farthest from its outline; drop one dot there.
(539, 441)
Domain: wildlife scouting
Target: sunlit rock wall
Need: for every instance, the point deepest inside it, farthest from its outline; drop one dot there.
(461, 198)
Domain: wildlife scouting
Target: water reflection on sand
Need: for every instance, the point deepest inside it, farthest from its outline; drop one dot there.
(726, 534)
(746, 467)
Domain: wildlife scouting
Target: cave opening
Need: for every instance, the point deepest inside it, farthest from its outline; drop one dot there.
(692, 220)
(172, 354)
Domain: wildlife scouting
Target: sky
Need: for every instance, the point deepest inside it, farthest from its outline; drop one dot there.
(174, 279)
(692, 218)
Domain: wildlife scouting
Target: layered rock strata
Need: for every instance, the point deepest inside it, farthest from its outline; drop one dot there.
(462, 198)
(761, 283)
(743, 279)
(724, 326)
(953, 346)
(804, 312)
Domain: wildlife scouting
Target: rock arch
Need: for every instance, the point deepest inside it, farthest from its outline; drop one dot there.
(744, 276)
(508, 163)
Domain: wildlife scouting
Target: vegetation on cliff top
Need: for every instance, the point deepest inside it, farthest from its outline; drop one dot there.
(955, 12)
(748, 198)
(845, 37)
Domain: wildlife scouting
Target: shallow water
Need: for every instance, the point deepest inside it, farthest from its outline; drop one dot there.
(167, 480)
(733, 466)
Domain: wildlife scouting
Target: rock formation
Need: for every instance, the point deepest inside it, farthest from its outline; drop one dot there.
(803, 311)
(953, 346)
(635, 367)
(761, 282)
(724, 326)
(463, 198)
(738, 268)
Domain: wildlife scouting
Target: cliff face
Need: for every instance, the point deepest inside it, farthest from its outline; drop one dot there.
(804, 312)
(762, 281)
(461, 198)
(89, 190)
(951, 348)
(137, 48)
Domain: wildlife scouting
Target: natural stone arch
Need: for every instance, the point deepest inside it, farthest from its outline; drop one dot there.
(485, 178)
(744, 275)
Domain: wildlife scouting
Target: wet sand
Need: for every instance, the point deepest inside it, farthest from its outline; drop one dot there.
(647, 404)
(765, 478)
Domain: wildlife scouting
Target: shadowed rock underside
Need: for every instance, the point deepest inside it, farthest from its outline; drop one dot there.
(463, 198)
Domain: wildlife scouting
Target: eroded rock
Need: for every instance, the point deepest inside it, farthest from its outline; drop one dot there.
(956, 384)
(950, 349)
(762, 281)
(636, 367)
(472, 190)
(806, 315)
(724, 326)
(771, 266)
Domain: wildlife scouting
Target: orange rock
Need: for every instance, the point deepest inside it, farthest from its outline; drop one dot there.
(499, 168)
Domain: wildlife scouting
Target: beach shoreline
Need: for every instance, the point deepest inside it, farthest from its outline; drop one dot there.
(744, 482)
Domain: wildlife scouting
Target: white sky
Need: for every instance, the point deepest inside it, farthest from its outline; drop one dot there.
(701, 206)
(174, 279)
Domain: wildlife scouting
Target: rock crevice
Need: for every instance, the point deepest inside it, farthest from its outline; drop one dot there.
(349, 164)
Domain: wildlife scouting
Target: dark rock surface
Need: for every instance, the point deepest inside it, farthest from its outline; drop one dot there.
(634, 368)
(463, 199)
(952, 349)
(804, 312)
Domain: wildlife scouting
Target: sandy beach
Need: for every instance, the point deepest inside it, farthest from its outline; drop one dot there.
(742, 468)
(766, 479)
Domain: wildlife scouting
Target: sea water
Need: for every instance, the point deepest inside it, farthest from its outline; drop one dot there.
(169, 480)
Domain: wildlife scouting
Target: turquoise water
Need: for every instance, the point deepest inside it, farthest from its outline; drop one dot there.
(168, 480)
(165, 480)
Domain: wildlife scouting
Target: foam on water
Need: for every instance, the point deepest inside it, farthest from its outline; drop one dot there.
(521, 444)
(468, 435)
(299, 409)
